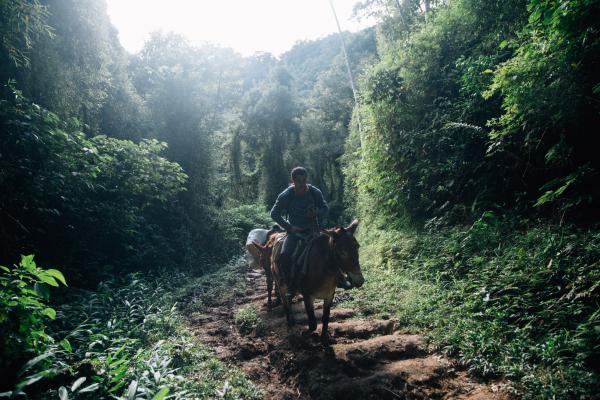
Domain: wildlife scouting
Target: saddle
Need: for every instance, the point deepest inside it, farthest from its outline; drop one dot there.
(300, 258)
(300, 255)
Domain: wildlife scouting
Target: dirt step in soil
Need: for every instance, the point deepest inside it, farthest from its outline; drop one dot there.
(367, 358)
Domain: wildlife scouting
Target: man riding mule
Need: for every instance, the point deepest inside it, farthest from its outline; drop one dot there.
(332, 253)
(306, 210)
(330, 256)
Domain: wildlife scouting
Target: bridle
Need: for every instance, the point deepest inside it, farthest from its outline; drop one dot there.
(334, 260)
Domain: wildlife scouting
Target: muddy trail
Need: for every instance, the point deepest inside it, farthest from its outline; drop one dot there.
(367, 358)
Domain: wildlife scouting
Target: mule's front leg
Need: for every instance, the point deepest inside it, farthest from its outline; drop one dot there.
(310, 312)
(281, 289)
(287, 306)
(326, 311)
(277, 296)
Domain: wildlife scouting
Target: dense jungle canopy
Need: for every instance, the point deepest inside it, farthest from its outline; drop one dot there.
(470, 159)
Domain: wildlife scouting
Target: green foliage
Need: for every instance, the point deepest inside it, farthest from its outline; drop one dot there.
(422, 116)
(236, 222)
(522, 304)
(188, 90)
(327, 107)
(473, 110)
(128, 340)
(309, 60)
(24, 295)
(480, 111)
(456, 153)
(21, 22)
(555, 63)
(247, 320)
(269, 112)
(296, 113)
(80, 71)
(97, 196)
(184, 95)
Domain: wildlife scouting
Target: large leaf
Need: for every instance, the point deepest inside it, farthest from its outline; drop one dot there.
(49, 312)
(28, 263)
(132, 390)
(33, 362)
(161, 394)
(58, 275)
(47, 279)
(62, 393)
(77, 383)
(65, 344)
(30, 380)
(90, 388)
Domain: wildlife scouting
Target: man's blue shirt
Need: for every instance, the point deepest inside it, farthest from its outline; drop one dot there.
(297, 206)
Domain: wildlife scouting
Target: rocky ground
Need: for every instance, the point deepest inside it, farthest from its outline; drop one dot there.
(367, 358)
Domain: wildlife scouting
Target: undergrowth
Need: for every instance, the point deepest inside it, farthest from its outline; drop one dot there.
(220, 285)
(509, 301)
(128, 340)
(248, 320)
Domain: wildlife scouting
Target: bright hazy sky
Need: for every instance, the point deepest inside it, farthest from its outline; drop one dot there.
(247, 26)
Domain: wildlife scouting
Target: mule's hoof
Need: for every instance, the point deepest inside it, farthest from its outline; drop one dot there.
(325, 341)
(308, 333)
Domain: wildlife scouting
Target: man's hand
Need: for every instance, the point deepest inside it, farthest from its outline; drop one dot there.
(296, 229)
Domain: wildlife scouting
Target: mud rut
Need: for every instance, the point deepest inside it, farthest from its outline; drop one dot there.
(367, 358)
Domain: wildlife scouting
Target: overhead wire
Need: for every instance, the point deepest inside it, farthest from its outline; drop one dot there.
(350, 75)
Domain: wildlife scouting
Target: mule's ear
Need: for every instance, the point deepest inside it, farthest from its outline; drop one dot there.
(352, 227)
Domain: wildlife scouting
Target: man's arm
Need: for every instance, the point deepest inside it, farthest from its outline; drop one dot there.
(278, 207)
(322, 208)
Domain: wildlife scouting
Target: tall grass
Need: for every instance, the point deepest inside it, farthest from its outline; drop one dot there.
(513, 301)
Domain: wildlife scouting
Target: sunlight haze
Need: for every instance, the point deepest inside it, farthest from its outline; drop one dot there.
(246, 26)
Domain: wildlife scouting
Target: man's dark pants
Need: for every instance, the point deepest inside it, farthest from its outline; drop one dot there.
(285, 258)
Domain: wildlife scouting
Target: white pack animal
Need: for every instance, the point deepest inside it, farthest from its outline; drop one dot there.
(252, 254)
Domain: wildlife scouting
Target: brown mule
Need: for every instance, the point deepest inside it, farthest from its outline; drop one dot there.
(334, 250)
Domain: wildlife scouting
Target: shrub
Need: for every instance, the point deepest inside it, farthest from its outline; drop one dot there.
(247, 320)
(236, 222)
(24, 312)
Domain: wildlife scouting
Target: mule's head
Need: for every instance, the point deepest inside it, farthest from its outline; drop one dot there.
(346, 247)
